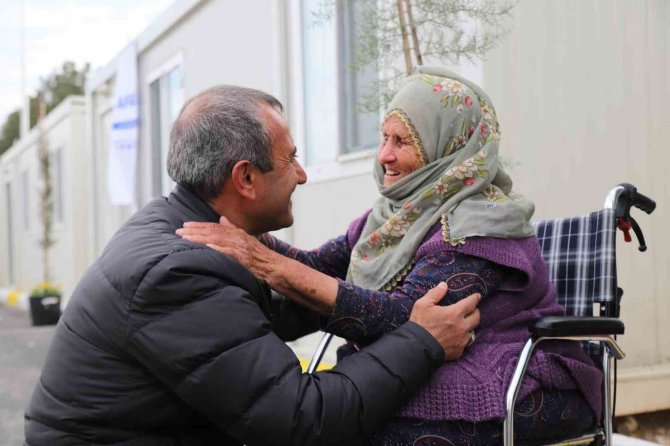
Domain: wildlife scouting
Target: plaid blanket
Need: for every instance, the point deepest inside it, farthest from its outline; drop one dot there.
(581, 256)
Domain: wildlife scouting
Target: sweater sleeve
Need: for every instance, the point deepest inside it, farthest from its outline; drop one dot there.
(206, 338)
(331, 258)
(362, 315)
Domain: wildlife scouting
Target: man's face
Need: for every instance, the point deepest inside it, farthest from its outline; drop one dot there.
(279, 183)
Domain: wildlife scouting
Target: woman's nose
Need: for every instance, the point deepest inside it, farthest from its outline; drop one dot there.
(386, 155)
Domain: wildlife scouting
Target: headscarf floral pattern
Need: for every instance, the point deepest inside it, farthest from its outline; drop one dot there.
(456, 130)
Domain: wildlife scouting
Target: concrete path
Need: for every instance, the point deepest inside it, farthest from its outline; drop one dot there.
(22, 352)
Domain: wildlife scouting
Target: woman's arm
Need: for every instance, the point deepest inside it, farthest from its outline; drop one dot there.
(331, 258)
(362, 315)
(287, 276)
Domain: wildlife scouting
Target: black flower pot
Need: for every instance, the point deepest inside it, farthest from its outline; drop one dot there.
(45, 310)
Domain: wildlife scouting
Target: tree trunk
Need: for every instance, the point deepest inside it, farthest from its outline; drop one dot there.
(415, 37)
(405, 38)
(45, 195)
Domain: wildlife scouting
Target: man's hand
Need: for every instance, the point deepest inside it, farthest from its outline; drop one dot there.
(452, 326)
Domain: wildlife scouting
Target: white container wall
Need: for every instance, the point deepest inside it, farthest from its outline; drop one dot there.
(20, 228)
(580, 89)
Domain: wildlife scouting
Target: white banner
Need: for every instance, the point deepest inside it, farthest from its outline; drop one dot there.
(124, 132)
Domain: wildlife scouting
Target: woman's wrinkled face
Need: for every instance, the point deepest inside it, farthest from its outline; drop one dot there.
(398, 154)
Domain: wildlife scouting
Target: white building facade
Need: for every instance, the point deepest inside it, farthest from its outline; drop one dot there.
(21, 267)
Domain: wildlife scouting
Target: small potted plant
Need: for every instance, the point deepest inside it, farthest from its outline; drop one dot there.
(45, 301)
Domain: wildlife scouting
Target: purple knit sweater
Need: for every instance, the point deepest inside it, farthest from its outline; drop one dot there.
(473, 387)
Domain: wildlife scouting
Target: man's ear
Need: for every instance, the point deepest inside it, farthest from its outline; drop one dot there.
(245, 178)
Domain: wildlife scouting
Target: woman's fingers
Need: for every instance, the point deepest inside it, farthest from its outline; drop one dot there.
(199, 238)
(225, 222)
(224, 250)
(198, 224)
(208, 226)
(214, 231)
(216, 247)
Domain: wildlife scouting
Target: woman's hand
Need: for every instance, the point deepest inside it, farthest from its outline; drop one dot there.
(286, 276)
(228, 239)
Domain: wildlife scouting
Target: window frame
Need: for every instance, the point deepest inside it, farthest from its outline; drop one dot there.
(161, 184)
(343, 163)
(347, 82)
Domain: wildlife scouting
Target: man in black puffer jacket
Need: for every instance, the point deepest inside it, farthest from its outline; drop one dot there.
(165, 342)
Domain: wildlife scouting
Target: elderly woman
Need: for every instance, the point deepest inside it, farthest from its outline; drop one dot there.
(446, 213)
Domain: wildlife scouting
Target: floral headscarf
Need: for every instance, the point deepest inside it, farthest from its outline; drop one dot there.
(462, 184)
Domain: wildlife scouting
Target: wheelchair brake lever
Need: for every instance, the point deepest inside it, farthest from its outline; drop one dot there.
(638, 233)
(624, 224)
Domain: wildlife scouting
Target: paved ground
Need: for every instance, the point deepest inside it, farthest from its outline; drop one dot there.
(22, 352)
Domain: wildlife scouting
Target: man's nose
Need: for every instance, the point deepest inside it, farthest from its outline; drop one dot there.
(302, 175)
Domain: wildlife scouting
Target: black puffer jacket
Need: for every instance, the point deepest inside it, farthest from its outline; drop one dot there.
(165, 342)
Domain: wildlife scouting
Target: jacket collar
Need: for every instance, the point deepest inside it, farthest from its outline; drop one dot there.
(186, 200)
(182, 197)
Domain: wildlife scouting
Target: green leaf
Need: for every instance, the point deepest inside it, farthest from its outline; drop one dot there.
(448, 147)
(454, 191)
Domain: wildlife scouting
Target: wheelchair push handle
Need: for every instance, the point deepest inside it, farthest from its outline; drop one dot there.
(631, 197)
(644, 203)
(622, 199)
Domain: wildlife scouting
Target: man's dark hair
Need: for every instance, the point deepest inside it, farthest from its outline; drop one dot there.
(214, 130)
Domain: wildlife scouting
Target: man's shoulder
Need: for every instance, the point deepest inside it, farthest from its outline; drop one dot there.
(146, 251)
(189, 260)
(142, 242)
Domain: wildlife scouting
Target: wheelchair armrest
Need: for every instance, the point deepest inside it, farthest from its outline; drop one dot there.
(551, 326)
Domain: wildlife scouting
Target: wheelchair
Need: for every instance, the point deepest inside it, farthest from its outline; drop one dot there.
(580, 253)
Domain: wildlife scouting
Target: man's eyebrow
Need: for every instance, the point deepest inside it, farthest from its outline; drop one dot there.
(290, 155)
